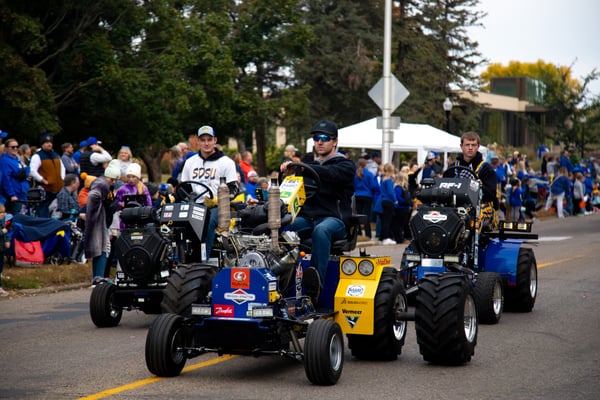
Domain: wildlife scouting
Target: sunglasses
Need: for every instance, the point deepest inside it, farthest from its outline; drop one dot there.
(13, 147)
(322, 138)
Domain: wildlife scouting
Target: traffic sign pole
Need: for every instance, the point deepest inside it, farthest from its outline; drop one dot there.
(388, 134)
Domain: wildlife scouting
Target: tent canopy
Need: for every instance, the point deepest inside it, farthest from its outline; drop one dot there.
(419, 138)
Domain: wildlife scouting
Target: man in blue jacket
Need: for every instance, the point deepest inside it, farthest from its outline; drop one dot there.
(325, 216)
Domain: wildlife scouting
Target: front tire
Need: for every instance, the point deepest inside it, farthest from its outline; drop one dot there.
(164, 346)
(489, 297)
(104, 314)
(187, 284)
(521, 298)
(389, 331)
(323, 352)
(446, 319)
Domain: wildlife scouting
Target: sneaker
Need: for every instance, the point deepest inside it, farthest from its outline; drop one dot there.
(312, 284)
(3, 292)
(387, 242)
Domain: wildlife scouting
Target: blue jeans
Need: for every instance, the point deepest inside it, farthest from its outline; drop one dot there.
(98, 266)
(323, 233)
(213, 222)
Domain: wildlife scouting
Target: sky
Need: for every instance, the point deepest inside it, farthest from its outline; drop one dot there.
(564, 33)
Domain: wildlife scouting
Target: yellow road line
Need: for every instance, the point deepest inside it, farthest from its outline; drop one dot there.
(542, 265)
(148, 381)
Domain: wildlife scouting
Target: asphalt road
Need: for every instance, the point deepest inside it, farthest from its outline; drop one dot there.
(49, 348)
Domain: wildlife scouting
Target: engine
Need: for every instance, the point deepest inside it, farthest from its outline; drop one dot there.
(142, 252)
(440, 230)
(254, 251)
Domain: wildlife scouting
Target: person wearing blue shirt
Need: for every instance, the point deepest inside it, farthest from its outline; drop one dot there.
(560, 187)
(365, 188)
(403, 208)
(566, 162)
(14, 177)
(385, 205)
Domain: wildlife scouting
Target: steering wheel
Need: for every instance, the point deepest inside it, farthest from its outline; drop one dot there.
(191, 196)
(311, 187)
(455, 171)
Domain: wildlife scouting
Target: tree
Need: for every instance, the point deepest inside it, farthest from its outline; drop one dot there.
(434, 55)
(267, 40)
(342, 63)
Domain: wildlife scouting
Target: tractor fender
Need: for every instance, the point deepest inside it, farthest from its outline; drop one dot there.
(501, 256)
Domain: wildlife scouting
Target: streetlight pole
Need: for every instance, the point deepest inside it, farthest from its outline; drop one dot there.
(447, 108)
(582, 120)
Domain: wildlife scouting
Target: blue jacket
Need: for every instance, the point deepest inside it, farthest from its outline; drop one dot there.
(401, 201)
(14, 183)
(560, 185)
(365, 187)
(387, 193)
(516, 197)
(565, 162)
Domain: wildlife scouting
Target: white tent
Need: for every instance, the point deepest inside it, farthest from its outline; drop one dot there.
(419, 138)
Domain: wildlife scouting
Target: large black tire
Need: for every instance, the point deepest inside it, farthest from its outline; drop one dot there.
(389, 331)
(102, 311)
(521, 298)
(489, 297)
(186, 285)
(164, 354)
(446, 319)
(324, 352)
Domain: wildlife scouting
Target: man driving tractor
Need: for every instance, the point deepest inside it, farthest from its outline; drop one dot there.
(325, 217)
(472, 159)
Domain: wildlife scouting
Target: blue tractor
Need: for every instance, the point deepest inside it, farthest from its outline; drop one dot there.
(452, 243)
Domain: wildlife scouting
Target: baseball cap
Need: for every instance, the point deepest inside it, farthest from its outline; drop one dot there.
(92, 140)
(3, 134)
(206, 130)
(83, 143)
(430, 155)
(252, 173)
(326, 127)
(375, 154)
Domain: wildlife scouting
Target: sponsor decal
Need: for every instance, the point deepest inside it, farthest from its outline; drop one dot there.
(352, 312)
(240, 278)
(450, 185)
(223, 310)
(435, 217)
(239, 296)
(383, 261)
(355, 290)
(351, 320)
(347, 301)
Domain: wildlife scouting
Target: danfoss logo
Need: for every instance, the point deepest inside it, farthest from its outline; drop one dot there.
(435, 217)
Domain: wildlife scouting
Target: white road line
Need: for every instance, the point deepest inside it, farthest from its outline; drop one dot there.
(554, 238)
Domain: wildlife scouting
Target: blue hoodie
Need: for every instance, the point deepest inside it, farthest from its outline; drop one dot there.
(365, 187)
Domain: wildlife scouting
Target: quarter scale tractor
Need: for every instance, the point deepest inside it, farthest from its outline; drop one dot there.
(254, 302)
(148, 251)
(452, 248)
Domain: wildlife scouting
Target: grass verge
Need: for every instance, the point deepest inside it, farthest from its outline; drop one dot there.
(15, 278)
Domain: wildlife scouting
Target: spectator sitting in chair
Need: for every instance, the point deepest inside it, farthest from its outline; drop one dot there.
(325, 216)
(67, 206)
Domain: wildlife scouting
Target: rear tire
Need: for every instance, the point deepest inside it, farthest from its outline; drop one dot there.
(323, 352)
(188, 284)
(389, 331)
(521, 298)
(164, 353)
(489, 297)
(102, 311)
(446, 319)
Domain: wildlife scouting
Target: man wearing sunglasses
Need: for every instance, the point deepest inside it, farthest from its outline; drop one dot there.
(325, 216)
